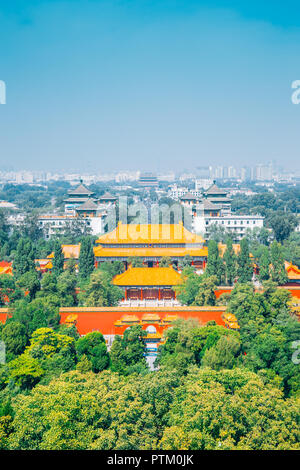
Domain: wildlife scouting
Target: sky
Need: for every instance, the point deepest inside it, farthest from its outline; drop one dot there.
(153, 85)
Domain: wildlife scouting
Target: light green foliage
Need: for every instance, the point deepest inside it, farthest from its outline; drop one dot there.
(230, 410)
(25, 371)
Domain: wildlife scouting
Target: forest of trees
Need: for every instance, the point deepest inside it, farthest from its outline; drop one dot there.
(212, 388)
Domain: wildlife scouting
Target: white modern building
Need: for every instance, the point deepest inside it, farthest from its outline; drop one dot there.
(235, 225)
(59, 224)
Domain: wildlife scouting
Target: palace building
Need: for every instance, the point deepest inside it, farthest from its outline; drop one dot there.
(151, 243)
(148, 283)
(77, 197)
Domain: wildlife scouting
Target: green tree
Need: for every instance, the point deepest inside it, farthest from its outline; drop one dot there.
(127, 353)
(9, 291)
(93, 347)
(165, 262)
(86, 258)
(223, 355)
(35, 314)
(25, 371)
(187, 290)
(282, 224)
(15, 339)
(264, 264)
(135, 262)
(24, 258)
(30, 283)
(278, 272)
(245, 267)
(215, 265)
(100, 291)
(230, 263)
(206, 293)
(66, 285)
(58, 260)
(229, 409)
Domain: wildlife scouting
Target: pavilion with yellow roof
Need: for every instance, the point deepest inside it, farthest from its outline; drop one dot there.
(148, 283)
(151, 242)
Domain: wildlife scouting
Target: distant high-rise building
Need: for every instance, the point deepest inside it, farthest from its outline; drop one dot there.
(148, 180)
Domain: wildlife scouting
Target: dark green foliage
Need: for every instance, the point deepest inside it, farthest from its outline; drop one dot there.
(230, 263)
(127, 352)
(264, 264)
(99, 291)
(282, 224)
(30, 283)
(113, 268)
(9, 291)
(24, 258)
(36, 314)
(93, 346)
(245, 265)
(86, 258)
(278, 273)
(58, 260)
(206, 292)
(215, 265)
(15, 339)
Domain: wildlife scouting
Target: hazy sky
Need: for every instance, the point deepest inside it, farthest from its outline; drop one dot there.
(148, 84)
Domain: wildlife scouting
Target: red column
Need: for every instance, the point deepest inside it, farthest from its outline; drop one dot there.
(159, 293)
(125, 293)
(141, 294)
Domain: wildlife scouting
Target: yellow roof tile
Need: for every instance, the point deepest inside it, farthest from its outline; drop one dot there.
(69, 251)
(150, 233)
(101, 252)
(148, 277)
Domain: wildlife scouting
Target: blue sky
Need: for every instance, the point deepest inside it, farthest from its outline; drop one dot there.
(152, 85)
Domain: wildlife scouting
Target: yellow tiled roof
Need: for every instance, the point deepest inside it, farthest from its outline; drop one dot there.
(150, 233)
(293, 272)
(148, 277)
(101, 252)
(151, 317)
(129, 318)
(69, 251)
(222, 248)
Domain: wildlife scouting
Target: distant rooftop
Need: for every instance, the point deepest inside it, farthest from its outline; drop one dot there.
(80, 190)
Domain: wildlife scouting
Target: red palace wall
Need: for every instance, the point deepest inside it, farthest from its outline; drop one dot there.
(103, 318)
(3, 314)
